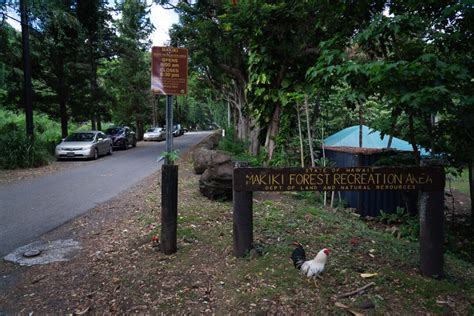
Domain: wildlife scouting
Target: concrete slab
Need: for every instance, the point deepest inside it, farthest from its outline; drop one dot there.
(44, 252)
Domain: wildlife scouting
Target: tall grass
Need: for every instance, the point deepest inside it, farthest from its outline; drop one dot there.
(17, 150)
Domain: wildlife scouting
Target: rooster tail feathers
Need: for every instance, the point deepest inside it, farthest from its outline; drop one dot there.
(298, 255)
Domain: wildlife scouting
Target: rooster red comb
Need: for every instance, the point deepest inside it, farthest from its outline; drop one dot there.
(326, 251)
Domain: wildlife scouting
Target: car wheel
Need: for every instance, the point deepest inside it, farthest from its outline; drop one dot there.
(96, 154)
(125, 144)
(111, 149)
(134, 143)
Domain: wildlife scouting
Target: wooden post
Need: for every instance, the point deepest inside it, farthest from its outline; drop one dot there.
(243, 220)
(169, 208)
(431, 207)
(169, 127)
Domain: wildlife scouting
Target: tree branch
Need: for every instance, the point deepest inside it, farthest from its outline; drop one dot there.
(352, 293)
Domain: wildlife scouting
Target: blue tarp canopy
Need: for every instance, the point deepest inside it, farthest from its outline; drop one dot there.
(349, 137)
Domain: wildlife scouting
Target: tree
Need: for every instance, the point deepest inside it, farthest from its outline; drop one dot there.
(131, 72)
(55, 47)
(95, 20)
(217, 39)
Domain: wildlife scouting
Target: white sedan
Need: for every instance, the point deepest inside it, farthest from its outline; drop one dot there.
(156, 133)
(90, 144)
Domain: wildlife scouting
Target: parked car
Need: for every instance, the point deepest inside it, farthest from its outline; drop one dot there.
(90, 144)
(122, 137)
(155, 133)
(178, 130)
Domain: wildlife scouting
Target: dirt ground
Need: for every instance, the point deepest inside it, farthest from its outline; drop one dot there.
(120, 269)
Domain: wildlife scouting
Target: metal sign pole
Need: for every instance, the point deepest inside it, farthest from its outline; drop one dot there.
(169, 127)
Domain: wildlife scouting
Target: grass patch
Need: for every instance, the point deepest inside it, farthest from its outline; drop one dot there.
(460, 182)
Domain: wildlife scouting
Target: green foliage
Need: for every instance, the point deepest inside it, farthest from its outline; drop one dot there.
(399, 159)
(230, 143)
(238, 149)
(171, 156)
(19, 151)
(398, 217)
(459, 180)
(409, 226)
(22, 152)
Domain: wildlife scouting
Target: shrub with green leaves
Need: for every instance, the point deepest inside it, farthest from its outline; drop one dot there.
(19, 151)
(231, 144)
(238, 149)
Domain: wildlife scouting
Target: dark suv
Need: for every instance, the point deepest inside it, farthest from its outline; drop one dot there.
(122, 137)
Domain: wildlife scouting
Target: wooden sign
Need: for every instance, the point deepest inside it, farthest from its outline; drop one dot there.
(169, 70)
(339, 179)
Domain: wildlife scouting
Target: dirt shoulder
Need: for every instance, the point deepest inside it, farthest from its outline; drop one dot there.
(120, 271)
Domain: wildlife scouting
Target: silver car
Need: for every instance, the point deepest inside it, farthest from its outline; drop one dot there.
(90, 144)
(155, 133)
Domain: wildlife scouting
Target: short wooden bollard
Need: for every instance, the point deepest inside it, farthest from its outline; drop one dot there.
(169, 208)
(243, 223)
(431, 208)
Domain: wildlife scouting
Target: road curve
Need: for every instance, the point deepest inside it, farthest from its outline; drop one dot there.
(33, 207)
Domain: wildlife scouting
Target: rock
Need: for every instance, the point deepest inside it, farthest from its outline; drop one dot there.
(204, 153)
(216, 181)
(367, 304)
(216, 169)
(211, 141)
(203, 158)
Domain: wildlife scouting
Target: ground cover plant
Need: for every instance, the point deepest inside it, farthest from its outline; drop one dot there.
(120, 270)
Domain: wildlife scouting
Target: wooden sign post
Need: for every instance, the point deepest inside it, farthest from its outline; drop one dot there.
(429, 180)
(169, 75)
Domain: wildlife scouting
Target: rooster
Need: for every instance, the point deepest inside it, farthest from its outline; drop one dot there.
(310, 268)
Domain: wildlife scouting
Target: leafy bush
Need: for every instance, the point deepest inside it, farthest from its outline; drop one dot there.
(19, 151)
(238, 149)
(409, 226)
(231, 144)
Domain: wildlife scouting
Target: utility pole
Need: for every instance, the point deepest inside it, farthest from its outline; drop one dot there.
(27, 88)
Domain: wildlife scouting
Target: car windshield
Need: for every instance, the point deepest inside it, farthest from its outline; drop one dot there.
(114, 131)
(80, 137)
(151, 130)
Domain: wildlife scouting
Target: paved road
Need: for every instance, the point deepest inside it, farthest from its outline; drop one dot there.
(33, 207)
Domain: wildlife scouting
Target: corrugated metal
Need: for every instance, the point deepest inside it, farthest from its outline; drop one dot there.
(371, 202)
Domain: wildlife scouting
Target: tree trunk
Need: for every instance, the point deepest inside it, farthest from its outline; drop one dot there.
(140, 131)
(471, 191)
(411, 136)
(254, 142)
(229, 116)
(310, 139)
(94, 86)
(361, 123)
(300, 134)
(62, 98)
(238, 100)
(64, 119)
(272, 131)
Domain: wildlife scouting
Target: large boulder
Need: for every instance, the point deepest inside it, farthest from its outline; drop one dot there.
(203, 153)
(201, 158)
(211, 141)
(216, 181)
(215, 167)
